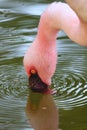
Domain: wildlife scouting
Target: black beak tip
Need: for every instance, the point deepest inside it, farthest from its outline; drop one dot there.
(36, 84)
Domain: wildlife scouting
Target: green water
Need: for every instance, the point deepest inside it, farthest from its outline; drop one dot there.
(18, 28)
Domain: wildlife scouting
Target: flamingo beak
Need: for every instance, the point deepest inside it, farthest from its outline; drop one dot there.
(36, 84)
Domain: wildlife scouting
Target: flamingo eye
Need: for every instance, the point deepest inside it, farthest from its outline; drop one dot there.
(33, 70)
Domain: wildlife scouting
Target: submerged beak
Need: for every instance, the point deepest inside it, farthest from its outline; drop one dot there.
(36, 84)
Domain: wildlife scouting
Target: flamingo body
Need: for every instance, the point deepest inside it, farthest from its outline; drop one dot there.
(80, 7)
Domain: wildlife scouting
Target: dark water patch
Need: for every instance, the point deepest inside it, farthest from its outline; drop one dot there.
(13, 61)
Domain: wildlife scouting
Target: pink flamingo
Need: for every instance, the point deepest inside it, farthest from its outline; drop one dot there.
(41, 58)
(80, 7)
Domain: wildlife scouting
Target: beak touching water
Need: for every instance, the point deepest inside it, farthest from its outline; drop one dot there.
(37, 85)
(41, 109)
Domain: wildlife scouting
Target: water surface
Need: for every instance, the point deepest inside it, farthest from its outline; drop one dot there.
(18, 28)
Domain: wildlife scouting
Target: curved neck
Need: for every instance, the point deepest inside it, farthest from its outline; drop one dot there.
(45, 30)
(59, 16)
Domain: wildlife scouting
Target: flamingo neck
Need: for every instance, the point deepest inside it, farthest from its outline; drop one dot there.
(47, 34)
(59, 16)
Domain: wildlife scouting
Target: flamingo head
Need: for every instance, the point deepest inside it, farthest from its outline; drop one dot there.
(40, 64)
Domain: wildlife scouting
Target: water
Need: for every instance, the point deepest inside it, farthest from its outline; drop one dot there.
(18, 28)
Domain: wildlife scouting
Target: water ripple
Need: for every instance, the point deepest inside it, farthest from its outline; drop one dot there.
(14, 86)
(72, 89)
(13, 96)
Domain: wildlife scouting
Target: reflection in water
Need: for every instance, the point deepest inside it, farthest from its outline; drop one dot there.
(18, 27)
(41, 111)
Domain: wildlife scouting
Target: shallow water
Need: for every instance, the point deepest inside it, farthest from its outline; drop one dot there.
(18, 28)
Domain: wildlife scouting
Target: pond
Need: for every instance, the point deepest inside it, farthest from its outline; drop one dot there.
(18, 27)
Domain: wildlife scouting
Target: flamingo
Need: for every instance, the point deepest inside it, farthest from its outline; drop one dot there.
(80, 7)
(41, 58)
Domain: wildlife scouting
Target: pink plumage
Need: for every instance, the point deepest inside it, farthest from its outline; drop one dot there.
(41, 58)
(42, 53)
